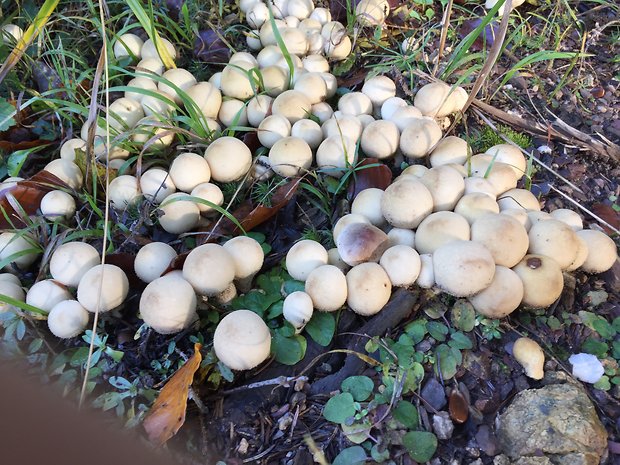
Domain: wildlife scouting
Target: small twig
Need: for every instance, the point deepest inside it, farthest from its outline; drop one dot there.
(284, 381)
(317, 454)
(444, 33)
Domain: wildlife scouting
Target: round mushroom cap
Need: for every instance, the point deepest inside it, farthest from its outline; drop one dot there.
(414, 170)
(123, 191)
(209, 268)
(571, 218)
(290, 156)
(554, 239)
(229, 159)
(530, 355)
(10, 278)
(440, 228)
(432, 100)
(346, 220)
(211, 194)
(355, 103)
(322, 15)
(511, 155)
(71, 261)
(67, 171)
(313, 86)
(110, 280)
(309, 131)
(379, 89)
(401, 236)
(150, 65)
(419, 137)
(446, 186)
(390, 105)
(128, 45)
(582, 255)
(297, 309)
(266, 34)
(475, 205)
(343, 125)
(327, 287)
(380, 139)
(268, 56)
(333, 258)
(303, 257)
(155, 105)
(502, 297)
(272, 129)
(57, 205)
(534, 216)
(180, 215)
(257, 109)
(14, 243)
(369, 288)
(315, 63)
(11, 33)
(152, 260)
(480, 185)
(257, 15)
(542, 280)
(463, 268)
(292, 104)
(67, 319)
(406, 203)
(177, 77)
(139, 83)
(402, 264)
(518, 198)
(207, 98)
(168, 304)
(336, 154)
(371, 12)
(361, 242)
(125, 112)
(233, 112)
(237, 80)
(10, 289)
(150, 51)
(368, 203)
(500, 175)
(520, 215)
(450, 149)
(504, 236)
(426, 278)
(188, 170)
(68, 148)
(156, 184)
(340, 50)
(602, 253)
(247, 254)
(242, 340)
(403, 116)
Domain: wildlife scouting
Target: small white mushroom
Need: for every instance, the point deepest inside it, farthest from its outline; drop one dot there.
(10, 289)
(229, 159)
(128, 45)
(248, 256)
(303, 257)
(297, 309)
(156, 184)
(327, 287)
(369, 288)
(188, 170)
(502, 297)
(602, 252)
(168, 304)
(531, 357)
(57, 205)
(503, 236)
(440, 228)
(179, 214)
(123, 191)
(209, 268)
(402, 264)
(13, 244)
(406, 203)
(71, 261)
(290, 156)
(152, 260)
(67, 319)
(103, 288)
(463, 268)
(542, 280)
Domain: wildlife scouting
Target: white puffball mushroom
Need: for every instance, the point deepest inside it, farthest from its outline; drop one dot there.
(10, 278)
(150, 51)
(401, 236)
(300, 9)
(15, 291)
(571, 218)
(67, 319)
(292, 104)
(139, 83)
(503, 236)
(480, 185)
(586, 367)
(123, 191)
(380, 139)
(68, 148)
(502, 297)
(168, 304)
(152, 260)
(518, 198)
(463, 268)
(275, 80)
(426, 278)
(542, 280)
(157, 105)
(209, 268)
(475, 205)
(110, 280)
(229, 159)
(316, 64)
(322, 15)
(432, 100)
(331, 82)
(297, 309)
(179, 215)
(128, 45)
(47, 293)
(361, 242)
(178, 77)
(342, 126)
(313, 86)
(322, 111)
(446, 186)
(368, 203)
(451, 149)
(257, 109)
(11, 33)
(303, 257)
(554, 239)
(339, 50)
(248, 257)
(369, 288)
(336, 154)
(233, 112)
(156, 184)
(272, 129)
(403, 116)
(355, 103)
(125, 113)
(207, 98)
(57, 205)
(290, 156)
(379, 89)
(371, 12)
(242, 340)
(237, 81)
(71, 261)
(327, 287)
(252, 39)
(211, 194)
(440, 228)
(602, 253)
(345, 220)
(402, 264)
(67, 171)
(333, 258)
(150, 65)
(511, 155)
(419, 137)
(531, 357)
(257, 15)
(309, 131)
(406, 203)
(188, 170)
(13, 243)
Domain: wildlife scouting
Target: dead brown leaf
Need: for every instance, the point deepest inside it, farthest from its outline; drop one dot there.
(167, 414)
(374, 174)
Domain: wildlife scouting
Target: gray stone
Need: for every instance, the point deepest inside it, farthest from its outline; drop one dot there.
(443, 426)
(556, 424)
(433, 393)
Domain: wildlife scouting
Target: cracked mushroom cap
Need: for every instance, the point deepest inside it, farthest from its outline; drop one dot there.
(502, 297)
(168, 304)
(602, 253)
(297, 309)
(446, 186)
(229, 159)
(402, 264)
(303, 257)
(209, 268)
(369, 288)
(327, 287)
(531, 357)
(110, 280)
(419, 137)
(554, 239)
(361, 242)
(406, 203)
(152, 260)
(511, 155)
(440, 228)
(67, 319)
(71, 261)
(463, 268)
(242, 340)
(503, 236)
(542, 280)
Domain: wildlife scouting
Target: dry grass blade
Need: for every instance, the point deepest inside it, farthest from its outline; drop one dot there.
(444, 34)
(149, 26)
(30, 34)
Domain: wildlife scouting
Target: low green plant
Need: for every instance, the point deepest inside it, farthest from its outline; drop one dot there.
(488, 137)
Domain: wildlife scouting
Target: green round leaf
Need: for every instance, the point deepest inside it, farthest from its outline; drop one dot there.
(421, 445)
(339, 408)
(288, 350)
(407, 414)
(463, 315)
(321, 327)
(357, 432)
(360, 387)
(446, 361)
(355, 455)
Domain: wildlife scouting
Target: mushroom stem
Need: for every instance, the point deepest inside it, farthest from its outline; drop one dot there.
(225, 297)
(245, 284)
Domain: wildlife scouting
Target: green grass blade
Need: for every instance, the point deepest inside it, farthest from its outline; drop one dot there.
(148, 25)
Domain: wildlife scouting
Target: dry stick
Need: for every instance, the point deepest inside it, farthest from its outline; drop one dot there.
(444, 33)
(106, 219)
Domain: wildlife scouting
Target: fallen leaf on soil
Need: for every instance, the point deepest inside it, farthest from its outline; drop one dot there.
(485, 40)
(210, 47)
(28, 194)
(608, 214)
(458, 407)
(375, 175)
(167, 414)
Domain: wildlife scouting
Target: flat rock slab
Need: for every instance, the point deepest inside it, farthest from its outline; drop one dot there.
(557, 422)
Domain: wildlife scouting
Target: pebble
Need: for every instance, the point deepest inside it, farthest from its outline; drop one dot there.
(434, 394)
(443, 426)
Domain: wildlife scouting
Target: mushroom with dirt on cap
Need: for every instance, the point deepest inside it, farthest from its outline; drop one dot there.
(168, 304)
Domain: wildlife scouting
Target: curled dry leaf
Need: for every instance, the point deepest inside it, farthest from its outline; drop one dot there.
(210, 47)
(167, 414)
(371, 173)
